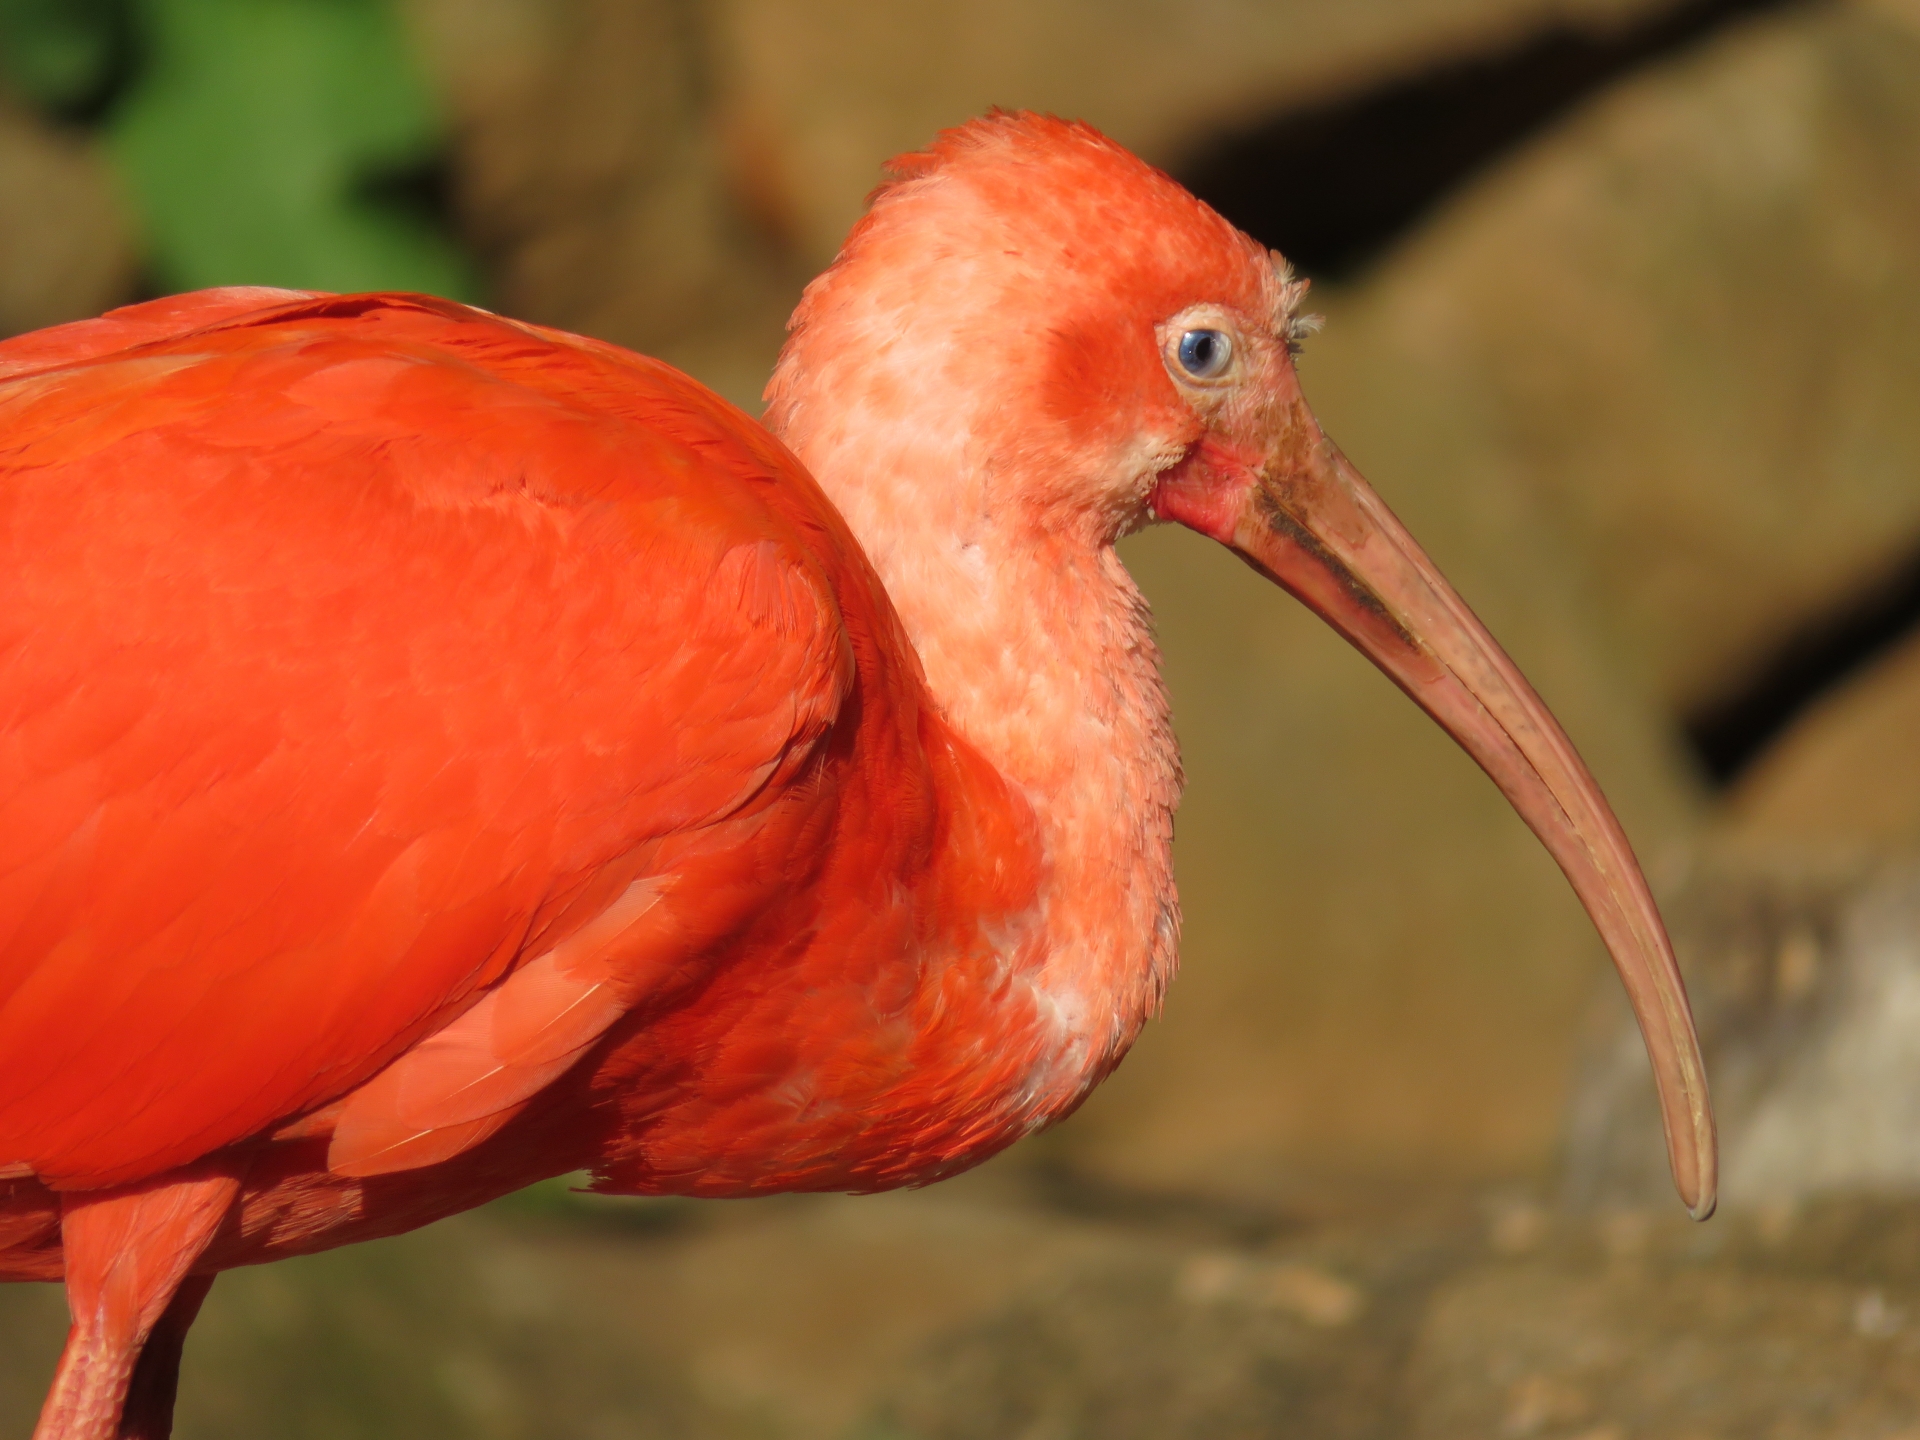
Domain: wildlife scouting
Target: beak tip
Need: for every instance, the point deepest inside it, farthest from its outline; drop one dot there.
(1699, 1183)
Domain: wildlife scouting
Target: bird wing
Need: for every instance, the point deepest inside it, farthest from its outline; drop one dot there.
(84, 340)
(365, 663)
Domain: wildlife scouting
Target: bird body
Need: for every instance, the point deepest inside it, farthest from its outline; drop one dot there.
(517, 738)
(438, 753)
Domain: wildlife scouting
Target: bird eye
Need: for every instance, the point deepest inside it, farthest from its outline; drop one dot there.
(1205, 354)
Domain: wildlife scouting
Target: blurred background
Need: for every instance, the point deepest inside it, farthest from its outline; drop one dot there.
(1623, 304)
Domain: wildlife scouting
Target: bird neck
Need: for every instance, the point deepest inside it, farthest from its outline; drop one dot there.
(1037, 649)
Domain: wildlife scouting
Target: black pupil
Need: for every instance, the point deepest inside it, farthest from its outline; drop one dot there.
(1201, 351)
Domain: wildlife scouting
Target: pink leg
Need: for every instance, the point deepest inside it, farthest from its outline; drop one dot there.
(128, 1251)
(156, 1377)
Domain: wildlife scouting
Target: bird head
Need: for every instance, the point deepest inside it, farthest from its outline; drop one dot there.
(1094, 350)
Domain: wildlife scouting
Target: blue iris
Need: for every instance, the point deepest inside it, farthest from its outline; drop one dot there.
(1205, 354)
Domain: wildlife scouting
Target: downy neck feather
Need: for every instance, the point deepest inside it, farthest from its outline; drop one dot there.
(996, 545)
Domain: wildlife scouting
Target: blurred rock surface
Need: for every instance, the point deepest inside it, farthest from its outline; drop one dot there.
(66, 246)
(1790, 1325)
(1805, 980)
(552, 1316)
(932, 1317)
(1800, 1325)
(1691, 319)
(588, 174)
(1846, 775)
(823, 93)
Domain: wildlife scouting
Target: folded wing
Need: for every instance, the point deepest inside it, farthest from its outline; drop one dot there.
(360, 660)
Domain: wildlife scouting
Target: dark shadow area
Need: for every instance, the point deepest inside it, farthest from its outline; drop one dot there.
(69, 59)
(1332, 185)
(421, 190)
(1731, 733)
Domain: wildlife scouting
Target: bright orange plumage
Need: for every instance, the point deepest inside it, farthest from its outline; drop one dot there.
(493, 625)
(438, 753)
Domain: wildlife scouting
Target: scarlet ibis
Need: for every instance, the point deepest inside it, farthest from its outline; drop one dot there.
(439, 753)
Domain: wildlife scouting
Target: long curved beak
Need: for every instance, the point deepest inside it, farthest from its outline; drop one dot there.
(1307, 520)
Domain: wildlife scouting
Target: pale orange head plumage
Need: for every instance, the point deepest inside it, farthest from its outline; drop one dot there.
(1008, 282)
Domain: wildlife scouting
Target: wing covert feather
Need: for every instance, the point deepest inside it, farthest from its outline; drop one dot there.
(464, 1081)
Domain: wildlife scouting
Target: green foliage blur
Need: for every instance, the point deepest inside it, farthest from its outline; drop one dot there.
(262, 142)
(63, 55)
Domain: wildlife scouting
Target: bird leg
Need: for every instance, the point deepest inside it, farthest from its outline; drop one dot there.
(148, 1413)
(128, 1251)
